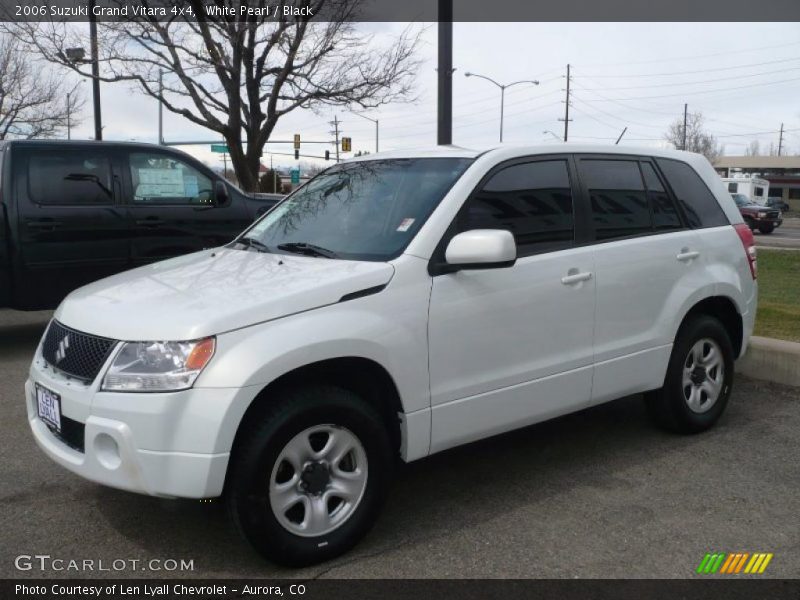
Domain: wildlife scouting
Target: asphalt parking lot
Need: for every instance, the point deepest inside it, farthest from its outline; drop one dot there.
(785, 236)
(596, 494)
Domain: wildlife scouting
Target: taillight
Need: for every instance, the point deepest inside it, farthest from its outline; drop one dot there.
(749, 243)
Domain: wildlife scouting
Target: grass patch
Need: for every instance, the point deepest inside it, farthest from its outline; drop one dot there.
(778, 313)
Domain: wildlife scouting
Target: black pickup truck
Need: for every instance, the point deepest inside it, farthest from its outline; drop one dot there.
(74, 212)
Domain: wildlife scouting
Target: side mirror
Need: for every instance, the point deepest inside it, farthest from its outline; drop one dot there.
(481, 249)
(220, 194)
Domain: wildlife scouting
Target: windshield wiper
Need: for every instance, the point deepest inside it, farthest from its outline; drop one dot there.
(252, 243)
(307, 249)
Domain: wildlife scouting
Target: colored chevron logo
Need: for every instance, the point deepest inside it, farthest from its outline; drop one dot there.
(734, 563)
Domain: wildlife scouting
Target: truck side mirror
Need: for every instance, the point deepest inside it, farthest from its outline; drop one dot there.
(220, 194)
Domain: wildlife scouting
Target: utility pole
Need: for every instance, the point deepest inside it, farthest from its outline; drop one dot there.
(444, 110)
(566, 118)
(685, 120)
(98, 126)
(335, 132)
(780, 141)
(161, 107)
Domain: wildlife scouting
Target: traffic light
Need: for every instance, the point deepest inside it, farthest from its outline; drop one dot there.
(297, 141)
(297, 154)
(327, 154)
(347, 144)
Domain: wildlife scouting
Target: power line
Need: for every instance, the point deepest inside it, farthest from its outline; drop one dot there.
(695, 57)
(626, 121)
(694, 72)
(702, 81)
(739, 87)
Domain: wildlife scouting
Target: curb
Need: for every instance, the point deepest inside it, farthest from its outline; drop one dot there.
(771, 360)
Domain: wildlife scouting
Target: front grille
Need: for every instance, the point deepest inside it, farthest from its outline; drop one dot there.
(773, 214)
(77, 354)
(72, 433)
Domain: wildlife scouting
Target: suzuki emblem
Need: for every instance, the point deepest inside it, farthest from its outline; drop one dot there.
(62, 349)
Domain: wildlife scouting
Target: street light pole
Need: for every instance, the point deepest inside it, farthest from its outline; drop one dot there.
(444, 96)
(98, 127)
(502, 93)
(558, 139)
(161, 107)
(69, 124)
(376, 128)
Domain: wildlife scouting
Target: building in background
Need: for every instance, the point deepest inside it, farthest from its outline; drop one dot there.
(782, 172)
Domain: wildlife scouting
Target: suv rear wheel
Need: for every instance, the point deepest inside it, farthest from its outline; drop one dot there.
(309, 477)
(699, 378)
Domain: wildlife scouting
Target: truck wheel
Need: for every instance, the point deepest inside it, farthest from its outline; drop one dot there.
(766, 228)
(699, 378)
(309, 476)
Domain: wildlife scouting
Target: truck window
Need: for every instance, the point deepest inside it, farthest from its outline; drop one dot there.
(158, 178)
(74, 177)
(733, 187)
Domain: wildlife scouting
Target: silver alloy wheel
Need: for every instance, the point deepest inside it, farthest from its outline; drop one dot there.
(318, 480)
(703, 375)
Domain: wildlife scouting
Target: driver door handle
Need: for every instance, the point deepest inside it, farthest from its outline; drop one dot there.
(150, 222)
(686, 255)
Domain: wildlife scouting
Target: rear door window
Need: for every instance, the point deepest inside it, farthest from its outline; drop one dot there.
(69, 178)
(699, 204)
(665, 213)
(618, 198)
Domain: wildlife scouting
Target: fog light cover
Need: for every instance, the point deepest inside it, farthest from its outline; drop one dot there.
(158, 366)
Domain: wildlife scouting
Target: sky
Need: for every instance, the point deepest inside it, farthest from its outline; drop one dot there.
(743, 77)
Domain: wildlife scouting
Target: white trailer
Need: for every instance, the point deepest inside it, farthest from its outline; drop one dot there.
(755, 188)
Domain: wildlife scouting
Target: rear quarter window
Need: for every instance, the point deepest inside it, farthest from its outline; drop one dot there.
(699, 205)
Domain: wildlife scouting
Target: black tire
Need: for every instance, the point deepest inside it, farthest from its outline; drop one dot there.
(668, 406)
(766, 228)
(292, 411)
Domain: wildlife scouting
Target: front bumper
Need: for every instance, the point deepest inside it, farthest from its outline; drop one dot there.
(776, 222)
(157, 444)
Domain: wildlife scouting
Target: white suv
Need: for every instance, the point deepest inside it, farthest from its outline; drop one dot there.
(395, 306)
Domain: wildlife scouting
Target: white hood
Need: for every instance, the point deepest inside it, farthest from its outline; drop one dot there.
(211, 292)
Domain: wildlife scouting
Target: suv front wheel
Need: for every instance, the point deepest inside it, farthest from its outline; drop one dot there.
(309, 477)
(699, 378)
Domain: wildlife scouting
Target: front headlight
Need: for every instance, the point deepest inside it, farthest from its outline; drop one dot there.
(158, 366)
(762, 215)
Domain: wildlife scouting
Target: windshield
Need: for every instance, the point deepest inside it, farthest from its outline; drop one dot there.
(741, 200)
(366, 210)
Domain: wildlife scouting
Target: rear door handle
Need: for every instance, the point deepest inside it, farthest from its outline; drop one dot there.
(46, 224)
(686, 255)
(575, 278)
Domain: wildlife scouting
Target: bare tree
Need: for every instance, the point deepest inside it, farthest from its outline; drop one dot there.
(33, 101)
(238, 76)
(753, 149)
(697, 138)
